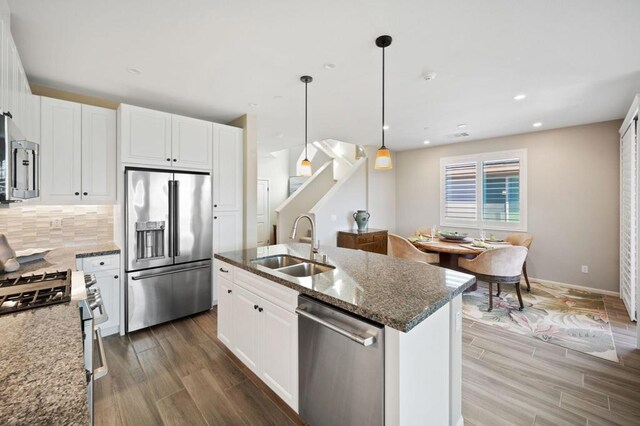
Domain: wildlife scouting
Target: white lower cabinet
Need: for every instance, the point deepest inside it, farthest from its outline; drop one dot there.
(106, 270)
(257, 321)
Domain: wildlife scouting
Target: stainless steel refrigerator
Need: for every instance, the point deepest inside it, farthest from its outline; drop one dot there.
(168, 237)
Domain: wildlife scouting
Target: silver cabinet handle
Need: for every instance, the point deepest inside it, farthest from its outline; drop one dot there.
(104, 368)
(364, 341)
(142, 277)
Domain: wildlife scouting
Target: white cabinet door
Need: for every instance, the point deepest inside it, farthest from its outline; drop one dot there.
(4, 64)
(245, 322)
(225, 310)
(32, 128)
(227, 231)
(227, 168)
(109, 285)
(98, 155)
(145, 136)
(11, 58)
(60, 148)
(279, 359)
(191, 142)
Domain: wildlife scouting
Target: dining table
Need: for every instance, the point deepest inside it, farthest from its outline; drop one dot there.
(450, 251)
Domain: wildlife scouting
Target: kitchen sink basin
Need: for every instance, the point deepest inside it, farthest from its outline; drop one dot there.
(305, 269)
(278, 261)
(291, 265)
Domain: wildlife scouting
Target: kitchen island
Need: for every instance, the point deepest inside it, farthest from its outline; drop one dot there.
(419, 306)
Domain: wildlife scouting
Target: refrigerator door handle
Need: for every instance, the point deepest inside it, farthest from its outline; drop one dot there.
(171, 218)
(176, 218)
(159, 274)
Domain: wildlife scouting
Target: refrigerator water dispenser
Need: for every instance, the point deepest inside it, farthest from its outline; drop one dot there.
(150, 239)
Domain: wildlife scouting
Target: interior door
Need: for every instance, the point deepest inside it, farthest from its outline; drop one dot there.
(147, 227)
(262, 210)
(192, 217)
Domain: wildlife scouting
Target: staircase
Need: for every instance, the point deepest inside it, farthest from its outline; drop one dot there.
(330, 195)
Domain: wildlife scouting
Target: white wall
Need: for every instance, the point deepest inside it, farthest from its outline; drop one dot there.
(275, 168)
(381, 189)
(302, 201)
(335, 211)
(573, 198)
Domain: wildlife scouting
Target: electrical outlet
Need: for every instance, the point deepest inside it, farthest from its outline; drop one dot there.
(56, 223)
(585, 269)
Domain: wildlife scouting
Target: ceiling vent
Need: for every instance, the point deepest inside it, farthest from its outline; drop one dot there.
(459, 135)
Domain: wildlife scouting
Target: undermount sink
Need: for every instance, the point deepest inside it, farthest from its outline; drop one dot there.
(291, 265)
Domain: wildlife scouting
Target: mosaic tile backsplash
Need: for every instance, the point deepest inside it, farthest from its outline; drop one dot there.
(31, 226)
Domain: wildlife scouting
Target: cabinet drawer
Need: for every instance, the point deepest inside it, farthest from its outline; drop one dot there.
(100, 263)
(275, 293)
(224, 270)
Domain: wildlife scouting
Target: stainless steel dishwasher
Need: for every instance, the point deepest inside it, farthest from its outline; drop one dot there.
(341, 366)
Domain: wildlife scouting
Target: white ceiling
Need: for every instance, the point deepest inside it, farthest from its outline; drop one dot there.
(577, 61)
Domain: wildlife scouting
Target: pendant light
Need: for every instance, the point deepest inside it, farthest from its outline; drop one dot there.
(383, 156)
(305, 165)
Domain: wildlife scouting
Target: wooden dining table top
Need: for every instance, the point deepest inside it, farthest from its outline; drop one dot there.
(440, 246)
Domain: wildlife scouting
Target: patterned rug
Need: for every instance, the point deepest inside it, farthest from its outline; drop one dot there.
(562, 316)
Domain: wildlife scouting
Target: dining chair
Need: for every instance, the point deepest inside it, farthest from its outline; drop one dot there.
(401, 247)
(523, 240)
(500, 265)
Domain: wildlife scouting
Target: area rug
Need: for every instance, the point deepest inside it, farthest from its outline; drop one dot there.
(562, 316)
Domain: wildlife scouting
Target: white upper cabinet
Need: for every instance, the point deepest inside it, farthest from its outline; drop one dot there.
(78, 153)
(98, 155)
(4, 64)
(155, 138)
(145, 136)
(14, 87)
(227, 168)
(191, 142)
(60, 149)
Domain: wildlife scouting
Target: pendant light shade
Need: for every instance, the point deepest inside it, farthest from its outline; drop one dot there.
(305, 165)
(383, 156)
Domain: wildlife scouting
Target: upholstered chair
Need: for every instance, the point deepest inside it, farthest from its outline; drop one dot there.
(523, 240)
(500, 265)
(401, 247)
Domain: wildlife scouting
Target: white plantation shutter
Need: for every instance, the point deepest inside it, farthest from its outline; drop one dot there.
(628, 219)
(460, 191)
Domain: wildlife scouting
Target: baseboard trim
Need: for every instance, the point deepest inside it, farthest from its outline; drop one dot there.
(577, 287)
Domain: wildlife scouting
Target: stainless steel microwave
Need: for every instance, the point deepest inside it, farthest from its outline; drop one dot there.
(19, 164)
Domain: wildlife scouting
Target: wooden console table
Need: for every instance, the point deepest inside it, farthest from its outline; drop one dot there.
(371, 240)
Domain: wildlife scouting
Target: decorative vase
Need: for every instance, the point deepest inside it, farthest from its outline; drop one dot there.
(362, 219)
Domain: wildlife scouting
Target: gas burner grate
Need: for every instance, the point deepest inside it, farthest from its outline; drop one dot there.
(34, 291)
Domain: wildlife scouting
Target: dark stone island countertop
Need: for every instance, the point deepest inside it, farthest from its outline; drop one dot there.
(42, 375)
(396, 292)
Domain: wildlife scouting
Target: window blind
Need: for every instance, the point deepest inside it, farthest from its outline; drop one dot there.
(628, 219)
(501, 190)
(460, 191)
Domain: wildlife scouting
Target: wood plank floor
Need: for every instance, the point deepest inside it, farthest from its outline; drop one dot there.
(179, 373)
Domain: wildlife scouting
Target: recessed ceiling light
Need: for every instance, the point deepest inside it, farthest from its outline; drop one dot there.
(253, 104)
(385, 127)
(538, 124)
(429, 75)
(462, 126)
(519, 97)
(426, 142)
(329, 66)
(132, 70)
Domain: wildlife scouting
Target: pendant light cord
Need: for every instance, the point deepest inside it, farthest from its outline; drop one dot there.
(383, 49)
(305, 121)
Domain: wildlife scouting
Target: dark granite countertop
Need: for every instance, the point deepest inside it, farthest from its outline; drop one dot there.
(398, 293)
(42, 379)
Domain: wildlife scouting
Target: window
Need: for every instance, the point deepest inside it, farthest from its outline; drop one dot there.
(484, 191)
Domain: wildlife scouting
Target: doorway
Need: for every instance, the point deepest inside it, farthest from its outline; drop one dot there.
(262, 213)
